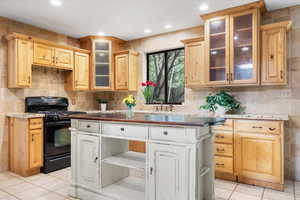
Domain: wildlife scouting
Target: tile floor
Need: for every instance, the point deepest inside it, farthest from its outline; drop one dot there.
(55, 186)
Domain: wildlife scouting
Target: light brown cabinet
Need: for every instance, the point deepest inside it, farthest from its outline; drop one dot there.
(102, 62)
(64, 58)
(274, 53)
(194, 63)
(78, 79)
(231, 52)
(25, 145)
(250, 151)
(126, 70)
(20, 52)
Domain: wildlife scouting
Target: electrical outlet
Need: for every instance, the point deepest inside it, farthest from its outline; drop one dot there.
(285, 93)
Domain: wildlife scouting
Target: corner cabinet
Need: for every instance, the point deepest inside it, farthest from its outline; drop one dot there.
(274, 53)
(102, 61)
(232, 53)
(20, 53)
(126, 70)
(194, 62)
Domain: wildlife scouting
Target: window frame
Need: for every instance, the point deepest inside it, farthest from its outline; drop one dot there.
(166, 73)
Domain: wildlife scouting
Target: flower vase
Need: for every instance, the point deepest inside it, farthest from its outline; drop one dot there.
(129, 112)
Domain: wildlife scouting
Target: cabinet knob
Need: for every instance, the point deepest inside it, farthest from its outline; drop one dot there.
(220, 136)
(122, 129)
(166, 133)
(88, 126)
(220, 150)
(272, 129)
(259, 127)
(95, 160)
(220, 164)
(271, 56)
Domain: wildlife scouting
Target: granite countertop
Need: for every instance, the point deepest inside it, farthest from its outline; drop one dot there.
(279, 117)
(24, 115)
(163, 119)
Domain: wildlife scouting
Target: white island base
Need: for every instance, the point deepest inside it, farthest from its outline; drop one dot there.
(177, 165)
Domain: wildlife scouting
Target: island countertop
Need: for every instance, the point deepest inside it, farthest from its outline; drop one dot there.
(163, 119)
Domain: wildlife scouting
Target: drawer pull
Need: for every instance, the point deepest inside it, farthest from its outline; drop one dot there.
(220, 136)
(257, 127)
(272, 129)
(95, 160)
(122, 129)
(88, 126)
(220, 164)
(220, 150)
(166, 133)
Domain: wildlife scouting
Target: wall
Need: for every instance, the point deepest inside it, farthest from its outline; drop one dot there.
(48, 82)
(274, 100)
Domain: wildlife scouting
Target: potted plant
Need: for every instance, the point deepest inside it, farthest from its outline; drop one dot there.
(148, 90)
(102, 104)
(221, 103)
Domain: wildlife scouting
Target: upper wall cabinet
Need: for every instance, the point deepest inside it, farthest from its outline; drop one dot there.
(20, 53)
(231, 48)
(102, 62)
(274, 62)
(126, 70)
(194, 62)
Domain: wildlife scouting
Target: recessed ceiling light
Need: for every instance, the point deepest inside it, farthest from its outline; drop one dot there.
(203, 7)
(147, 31)
(101, 33)
(167, 26)
(56, 3)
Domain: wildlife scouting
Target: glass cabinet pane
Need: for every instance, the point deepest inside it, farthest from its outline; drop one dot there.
(102, 55)
(217, 43)
(243, 62)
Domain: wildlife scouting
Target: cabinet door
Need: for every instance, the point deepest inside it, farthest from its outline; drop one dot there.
(102, 69)
(168, 173)
(43, 55)
(64, 58)
(121, 70)
(36, 148)
(24, 62)
(258, 157)
(244, 51)
(194, 64)
(274, 56)
(217, 51)
(87, 158)
(81, 71)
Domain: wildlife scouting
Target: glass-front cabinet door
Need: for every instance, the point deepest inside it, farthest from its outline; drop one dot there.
(102, 65)
(243, 47)
(217, 49)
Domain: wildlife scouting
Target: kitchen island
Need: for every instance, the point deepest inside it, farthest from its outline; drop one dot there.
(177, 165)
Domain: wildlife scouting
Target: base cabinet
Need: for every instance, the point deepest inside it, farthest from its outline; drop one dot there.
(168, 172)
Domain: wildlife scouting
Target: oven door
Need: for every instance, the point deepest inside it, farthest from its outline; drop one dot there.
(57, 138)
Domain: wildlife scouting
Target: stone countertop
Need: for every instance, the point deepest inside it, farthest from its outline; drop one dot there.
(278, 117)
(25, 115)
(149, 118)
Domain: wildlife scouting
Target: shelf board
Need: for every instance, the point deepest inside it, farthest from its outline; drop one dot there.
(243, 45)
(101, 63)
(130, 188)
(217, 34)
(217, 67)
(102, 51)
(218, 48)
(102, 75)
(130, 159)
(243, 29)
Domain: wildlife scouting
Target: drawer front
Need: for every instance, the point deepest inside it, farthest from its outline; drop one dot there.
(223, 149)
(89, 126)
(227, 126)
(36, 123)
(172, 134)
(124, 130)
(223, 164)
(258, 126)
(223, 137)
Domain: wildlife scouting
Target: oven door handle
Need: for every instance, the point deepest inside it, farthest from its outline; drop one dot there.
(56, 159)
(57, 123)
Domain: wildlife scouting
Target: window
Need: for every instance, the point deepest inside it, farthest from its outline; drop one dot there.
(166, 69)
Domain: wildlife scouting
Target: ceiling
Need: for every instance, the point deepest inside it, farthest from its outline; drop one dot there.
(126, 19)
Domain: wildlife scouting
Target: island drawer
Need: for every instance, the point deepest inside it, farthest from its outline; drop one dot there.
(223, 137)
(173, 134)
(89, 126)
(223, 164)
(223, 149)
(258, 126)
(227, 126)
(125, 130)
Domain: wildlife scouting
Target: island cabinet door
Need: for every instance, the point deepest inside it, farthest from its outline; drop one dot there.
(168, 172)
(87, 161)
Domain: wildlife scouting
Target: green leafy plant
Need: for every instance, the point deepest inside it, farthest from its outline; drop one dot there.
(102, 101)
(223, 99)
